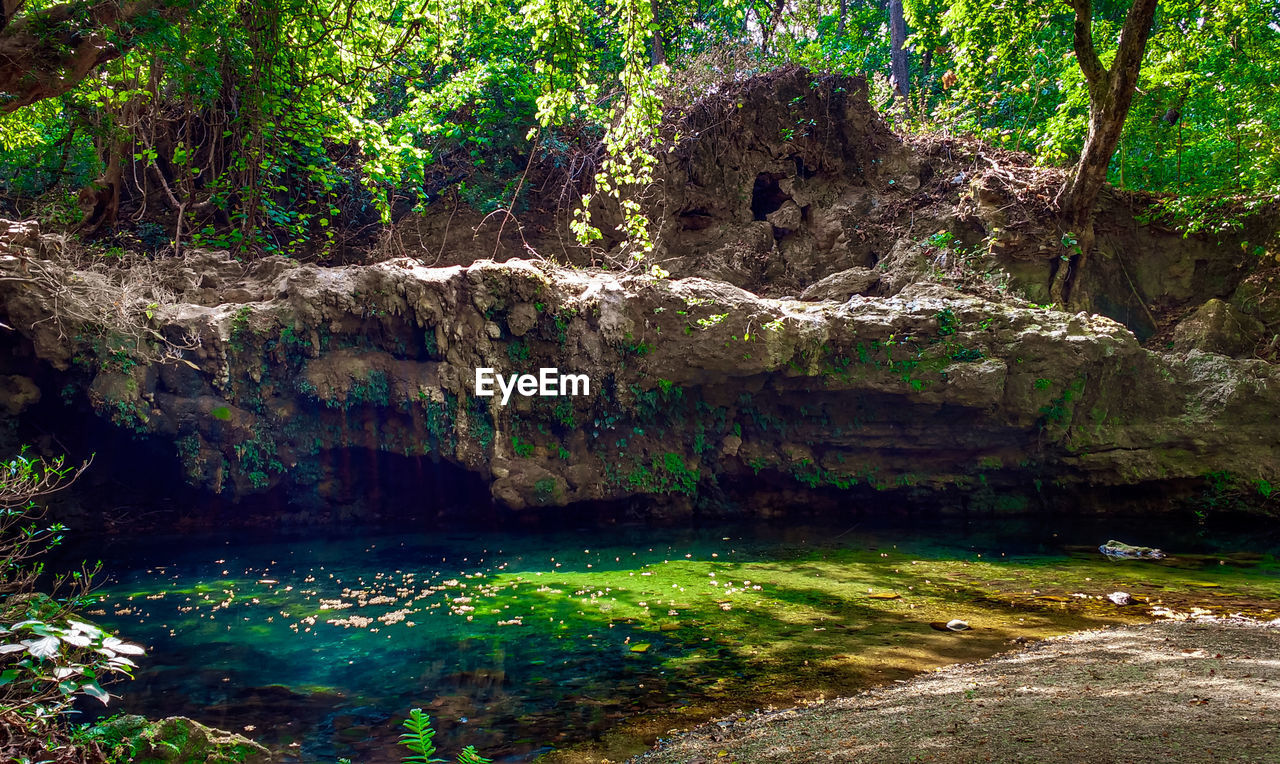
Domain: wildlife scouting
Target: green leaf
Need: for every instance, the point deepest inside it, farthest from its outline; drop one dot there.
(417, 738)
(94, 690)
(45, 647)
(76, 638)
(123, 648)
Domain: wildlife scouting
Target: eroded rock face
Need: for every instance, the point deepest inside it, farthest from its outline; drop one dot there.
(695, 385)
(780, 181)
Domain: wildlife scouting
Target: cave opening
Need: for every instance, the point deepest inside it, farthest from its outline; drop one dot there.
(766, 195)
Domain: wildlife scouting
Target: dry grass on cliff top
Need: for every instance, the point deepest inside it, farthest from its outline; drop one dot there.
(1188, 691)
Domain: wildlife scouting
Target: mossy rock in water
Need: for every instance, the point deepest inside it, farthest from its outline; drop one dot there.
(1120, 549)
(178, 740)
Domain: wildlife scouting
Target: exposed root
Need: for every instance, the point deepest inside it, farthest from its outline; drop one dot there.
(91, 298)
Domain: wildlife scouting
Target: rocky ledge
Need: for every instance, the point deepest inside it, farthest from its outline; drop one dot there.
(696, 388)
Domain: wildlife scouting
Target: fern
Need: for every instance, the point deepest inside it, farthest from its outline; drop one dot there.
(469, 755)
(418, 738)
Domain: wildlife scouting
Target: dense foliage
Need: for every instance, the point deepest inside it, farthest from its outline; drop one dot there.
(289, 127)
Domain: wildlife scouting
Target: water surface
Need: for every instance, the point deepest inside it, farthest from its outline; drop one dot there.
(318, 645)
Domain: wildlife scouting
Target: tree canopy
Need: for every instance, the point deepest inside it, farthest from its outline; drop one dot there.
(283, 126)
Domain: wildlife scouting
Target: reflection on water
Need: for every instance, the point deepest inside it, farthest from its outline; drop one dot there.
(520, 643)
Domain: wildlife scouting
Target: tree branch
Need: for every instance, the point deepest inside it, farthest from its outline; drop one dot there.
(1133, 39)
(46, 53)
(1086, 55)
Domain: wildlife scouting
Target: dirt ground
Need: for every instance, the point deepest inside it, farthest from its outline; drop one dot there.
(1195, 690)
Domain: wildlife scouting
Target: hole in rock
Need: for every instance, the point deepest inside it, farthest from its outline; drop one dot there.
(766, 196)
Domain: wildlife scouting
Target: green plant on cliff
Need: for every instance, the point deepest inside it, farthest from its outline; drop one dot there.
(1226, 491)
(239, 328)
(290, 338)
(518, 351)
(522, 449)
(947, 322)
(480, 423)
(809, 473)
(666, 474)
(1058, 411)
(564, 414)
(545, 489)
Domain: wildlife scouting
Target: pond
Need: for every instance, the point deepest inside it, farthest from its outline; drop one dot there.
(597, 641)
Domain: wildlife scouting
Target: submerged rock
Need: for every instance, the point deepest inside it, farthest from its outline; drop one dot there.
(1115, 548)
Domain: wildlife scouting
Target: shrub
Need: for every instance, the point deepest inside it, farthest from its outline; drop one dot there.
(47, 656)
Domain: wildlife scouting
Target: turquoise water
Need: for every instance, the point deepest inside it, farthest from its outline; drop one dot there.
(519, 643)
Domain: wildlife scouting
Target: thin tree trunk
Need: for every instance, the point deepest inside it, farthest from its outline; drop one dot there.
(844, 13)
(1110, 96)
(765, 29)
(899, 53)
(769, 27)
(101, 201)
(659, 55)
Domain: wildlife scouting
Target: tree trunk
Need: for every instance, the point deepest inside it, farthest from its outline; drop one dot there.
(769, 26)
(100, 202)
(844, 13)
(659, 54)
(898, 55)
(1110, 95)
(8, 9)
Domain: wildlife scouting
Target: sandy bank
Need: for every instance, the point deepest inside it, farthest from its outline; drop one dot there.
(1186, 690)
